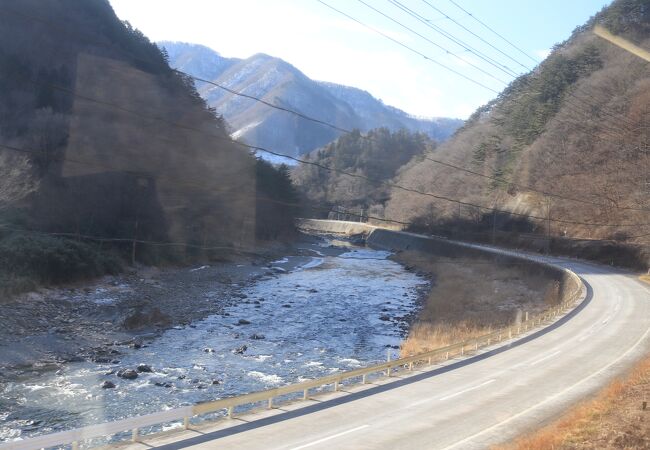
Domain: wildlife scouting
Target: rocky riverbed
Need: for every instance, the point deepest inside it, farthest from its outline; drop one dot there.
(154, 339)
(43, 329)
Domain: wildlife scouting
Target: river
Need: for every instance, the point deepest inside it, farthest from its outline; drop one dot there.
(323, 315)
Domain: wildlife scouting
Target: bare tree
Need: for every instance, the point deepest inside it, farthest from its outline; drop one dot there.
(16, 179)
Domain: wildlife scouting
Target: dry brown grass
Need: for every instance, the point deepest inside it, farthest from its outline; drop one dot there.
(470, 298)
(425, 336)
(614, 419)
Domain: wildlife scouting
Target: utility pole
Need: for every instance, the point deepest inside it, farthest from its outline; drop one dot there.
(135, 237)
(548, 225)
(494, 219)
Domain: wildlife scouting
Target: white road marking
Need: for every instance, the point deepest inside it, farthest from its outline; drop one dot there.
(537, 361)
(334, 436)
(552, 397)
(446, 397)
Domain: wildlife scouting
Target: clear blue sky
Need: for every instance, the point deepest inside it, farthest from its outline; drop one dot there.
(327, 46)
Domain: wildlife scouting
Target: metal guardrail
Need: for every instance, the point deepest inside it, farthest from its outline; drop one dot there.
(134, 424)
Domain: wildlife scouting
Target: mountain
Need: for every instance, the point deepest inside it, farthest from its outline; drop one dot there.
(280, 83)
(577, 127)
(101, 140)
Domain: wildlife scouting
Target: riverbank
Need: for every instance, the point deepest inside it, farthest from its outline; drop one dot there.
(48, 327)
(470, 298)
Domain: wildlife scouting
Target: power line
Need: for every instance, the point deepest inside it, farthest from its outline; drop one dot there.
(411, 49)
(256, 198)
(433, 43)
(620, 117)
(503, 68)
(252, 251)
(67, 31)
(426, 22)
(493, 31)
(529, 188)
(299, 114)
(469, 171)
(342, 172)
(393, 185)
(175, 181)
(474, 34)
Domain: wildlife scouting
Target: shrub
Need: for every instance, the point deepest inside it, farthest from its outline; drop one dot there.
(47, 259)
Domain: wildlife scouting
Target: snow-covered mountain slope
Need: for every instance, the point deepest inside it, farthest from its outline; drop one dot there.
(282, 84)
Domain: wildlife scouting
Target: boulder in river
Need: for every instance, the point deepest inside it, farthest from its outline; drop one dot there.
(146, 317)
(384, 317)
(144, 368)
(102, 360)
(257, 337)
(243, 322)
(208, 350)
(240, 350)
(107, 385)
(127, 374)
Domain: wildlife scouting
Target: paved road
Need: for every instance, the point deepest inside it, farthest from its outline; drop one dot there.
(467, 404)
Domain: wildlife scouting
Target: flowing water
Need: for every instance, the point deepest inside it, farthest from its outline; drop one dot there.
(325, 316)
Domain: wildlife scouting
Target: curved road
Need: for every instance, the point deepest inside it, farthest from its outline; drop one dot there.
(466, 404)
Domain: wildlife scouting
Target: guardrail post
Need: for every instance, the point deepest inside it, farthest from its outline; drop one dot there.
(230, 408)
(388, 360)
(476, 346)
(462, 350)
(336, 386)
(271, 403)
(509, 333)
(364, 379)
(305, 394)
(447, 355)
(429, 360)
(135, 435)
(526, 319)
(411, 365)
(186, 422)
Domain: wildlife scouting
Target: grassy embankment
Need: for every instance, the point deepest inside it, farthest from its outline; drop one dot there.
(470, 298)
(613, 419)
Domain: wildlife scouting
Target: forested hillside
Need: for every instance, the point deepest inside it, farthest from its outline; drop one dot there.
(280, 83)
(375, 157)
(106, 150)
(566, 144)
